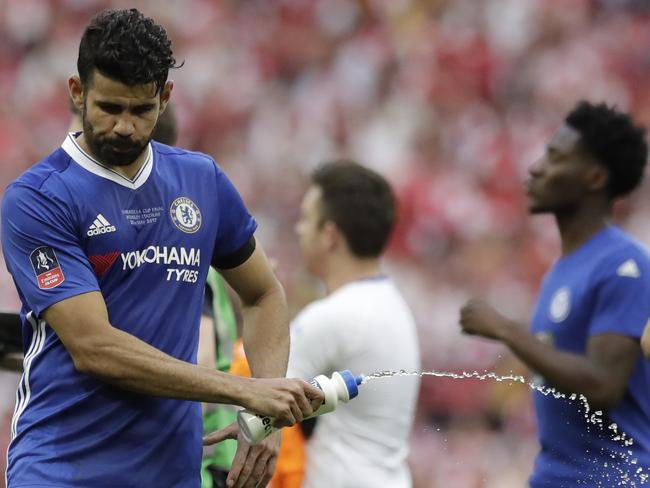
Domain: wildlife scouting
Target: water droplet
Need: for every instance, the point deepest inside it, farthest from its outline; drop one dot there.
(593, 418)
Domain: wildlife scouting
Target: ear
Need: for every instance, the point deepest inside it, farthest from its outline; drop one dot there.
(597, 178)
(165, 95)
(331, 235)
(75, 88)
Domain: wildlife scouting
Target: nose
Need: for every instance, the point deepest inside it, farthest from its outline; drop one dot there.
(535, 169)
(124, 126)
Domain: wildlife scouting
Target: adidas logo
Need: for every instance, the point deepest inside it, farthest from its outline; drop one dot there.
(100, 226)
(629, 269)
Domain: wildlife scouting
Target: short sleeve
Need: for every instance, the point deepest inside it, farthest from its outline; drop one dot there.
(314, 347)
(623, 299)
(41, 249)
(236, 225)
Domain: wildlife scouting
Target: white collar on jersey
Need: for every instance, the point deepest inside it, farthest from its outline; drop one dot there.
(83, 159)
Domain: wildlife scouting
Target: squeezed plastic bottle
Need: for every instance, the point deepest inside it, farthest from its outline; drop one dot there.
(342, 386)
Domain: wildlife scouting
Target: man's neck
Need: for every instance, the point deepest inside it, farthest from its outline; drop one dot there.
(580, 226)
(129, 171)
(342, 270)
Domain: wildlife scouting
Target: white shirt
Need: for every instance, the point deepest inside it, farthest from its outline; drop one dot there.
(364, 326)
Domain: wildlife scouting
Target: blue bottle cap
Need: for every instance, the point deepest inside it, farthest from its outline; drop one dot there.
(351, 382)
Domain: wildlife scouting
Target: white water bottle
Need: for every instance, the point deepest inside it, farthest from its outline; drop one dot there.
(342, 386)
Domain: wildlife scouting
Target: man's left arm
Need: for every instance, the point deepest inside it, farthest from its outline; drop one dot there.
(241, 261)
(266, 320)
(266, 342)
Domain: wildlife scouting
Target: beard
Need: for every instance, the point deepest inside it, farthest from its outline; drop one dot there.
(111, 150)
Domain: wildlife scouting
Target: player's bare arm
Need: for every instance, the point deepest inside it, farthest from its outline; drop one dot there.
(266, 340)
(601, 375)
(266, 324)
(645, 341)
(207, 353)
(102, 350)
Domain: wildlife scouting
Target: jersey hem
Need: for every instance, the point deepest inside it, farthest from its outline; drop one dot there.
(49, 485)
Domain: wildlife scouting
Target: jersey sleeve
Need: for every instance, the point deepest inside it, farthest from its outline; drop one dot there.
(623, 299)
(41, 249)
(314, 344)
(236, 225)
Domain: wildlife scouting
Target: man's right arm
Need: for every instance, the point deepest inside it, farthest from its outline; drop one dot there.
(601, 374)
(101, 350)
(38, 220)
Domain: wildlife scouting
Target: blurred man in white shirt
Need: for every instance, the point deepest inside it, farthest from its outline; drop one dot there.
(363, 324)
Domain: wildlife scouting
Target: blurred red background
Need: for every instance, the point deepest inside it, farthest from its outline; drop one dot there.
(451, 100)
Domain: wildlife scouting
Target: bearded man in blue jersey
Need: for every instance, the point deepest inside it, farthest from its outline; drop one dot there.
(592, 308)
(109, 240)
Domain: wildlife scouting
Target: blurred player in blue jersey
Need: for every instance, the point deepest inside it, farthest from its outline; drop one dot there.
(109, 240)
(592, 308)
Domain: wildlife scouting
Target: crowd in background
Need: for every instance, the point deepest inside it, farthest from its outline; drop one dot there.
(452, 100)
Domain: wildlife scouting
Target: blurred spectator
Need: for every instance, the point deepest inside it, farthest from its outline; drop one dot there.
(361, 324)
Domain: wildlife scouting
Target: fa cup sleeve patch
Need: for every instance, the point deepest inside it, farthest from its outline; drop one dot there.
(46, 268)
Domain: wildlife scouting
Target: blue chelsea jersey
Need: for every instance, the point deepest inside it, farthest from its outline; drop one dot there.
(602, 287)
(71, 225)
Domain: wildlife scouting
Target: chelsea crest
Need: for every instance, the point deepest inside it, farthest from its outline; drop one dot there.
(185, 215)
(560, 305)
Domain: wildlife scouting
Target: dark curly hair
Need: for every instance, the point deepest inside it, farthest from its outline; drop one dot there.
(360, 202)
(612, 138)
(125, 46)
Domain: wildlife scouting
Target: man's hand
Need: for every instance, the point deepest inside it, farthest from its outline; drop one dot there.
(253, 466)
(478, 317)
(289, 401)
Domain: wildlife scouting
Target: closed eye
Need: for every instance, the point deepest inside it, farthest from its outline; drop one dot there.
(142, 109)
(116, 108)
(110, 108)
